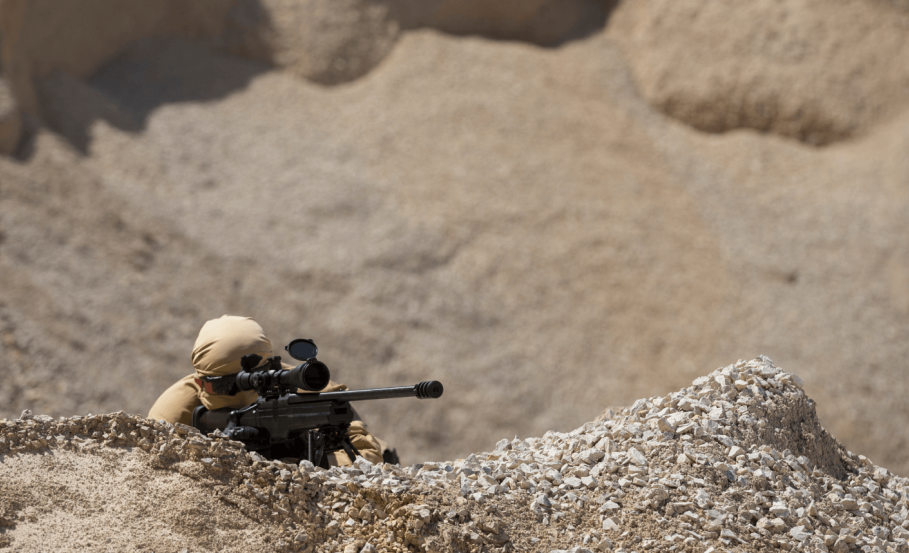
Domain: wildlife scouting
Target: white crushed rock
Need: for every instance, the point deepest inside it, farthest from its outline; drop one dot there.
(737, 461)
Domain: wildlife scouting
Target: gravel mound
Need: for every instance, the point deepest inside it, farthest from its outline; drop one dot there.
(736, 461)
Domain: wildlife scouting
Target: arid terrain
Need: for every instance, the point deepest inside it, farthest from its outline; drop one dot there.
(737, 461)
(552, 207)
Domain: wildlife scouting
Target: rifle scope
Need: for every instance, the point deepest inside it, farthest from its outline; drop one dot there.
(312, 376)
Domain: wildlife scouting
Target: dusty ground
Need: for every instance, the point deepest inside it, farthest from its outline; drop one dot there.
(524, 223)
(738, 461)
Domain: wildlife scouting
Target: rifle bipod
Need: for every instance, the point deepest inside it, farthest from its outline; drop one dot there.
(332, 438)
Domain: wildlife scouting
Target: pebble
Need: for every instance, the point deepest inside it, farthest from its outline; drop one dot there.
(799, 533)
(637, 457)
(665, 426)
(849, 504)
(572, 482)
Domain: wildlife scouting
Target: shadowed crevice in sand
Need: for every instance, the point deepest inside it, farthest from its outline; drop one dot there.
(157, 71)
(544, 23)
(124, 92)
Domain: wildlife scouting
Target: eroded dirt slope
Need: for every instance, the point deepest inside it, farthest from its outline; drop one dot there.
(518, 222)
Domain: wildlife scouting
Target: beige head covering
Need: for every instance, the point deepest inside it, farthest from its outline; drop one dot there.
(219, 347)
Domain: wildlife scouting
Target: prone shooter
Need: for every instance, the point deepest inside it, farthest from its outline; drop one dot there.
(276, 409)
(285, 423)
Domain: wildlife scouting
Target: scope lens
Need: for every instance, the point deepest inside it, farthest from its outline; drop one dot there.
(312, 376)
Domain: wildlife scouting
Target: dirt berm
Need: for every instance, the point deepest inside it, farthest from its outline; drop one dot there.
(738, 461)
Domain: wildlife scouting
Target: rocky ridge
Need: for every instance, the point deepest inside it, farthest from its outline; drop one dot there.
(737, 461)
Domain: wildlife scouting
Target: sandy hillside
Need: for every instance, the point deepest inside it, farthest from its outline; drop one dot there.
(736, 462)
(550, 217)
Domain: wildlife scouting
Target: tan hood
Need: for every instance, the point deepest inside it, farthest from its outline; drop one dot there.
(217, 352)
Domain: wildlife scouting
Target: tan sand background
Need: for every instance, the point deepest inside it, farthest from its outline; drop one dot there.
(552, 207)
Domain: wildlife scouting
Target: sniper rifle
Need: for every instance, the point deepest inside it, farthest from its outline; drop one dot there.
(291, 417)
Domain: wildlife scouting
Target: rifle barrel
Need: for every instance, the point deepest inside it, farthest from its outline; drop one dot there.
(429, 389)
